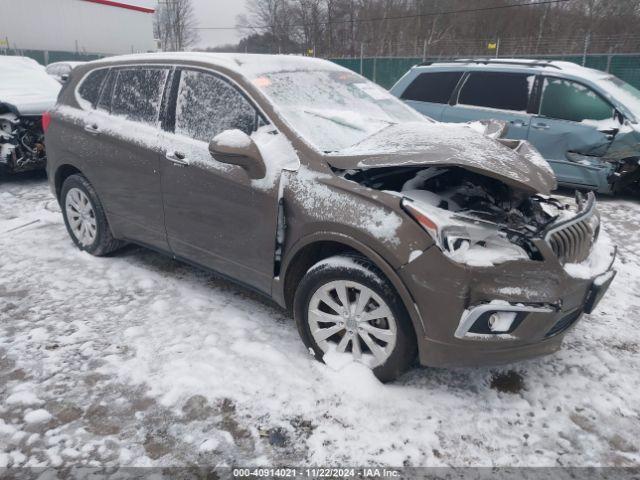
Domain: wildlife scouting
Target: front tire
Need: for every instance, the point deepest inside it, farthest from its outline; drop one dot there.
(84, 217)
(344, 303)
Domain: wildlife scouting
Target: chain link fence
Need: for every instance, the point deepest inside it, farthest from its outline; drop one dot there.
(387, 70)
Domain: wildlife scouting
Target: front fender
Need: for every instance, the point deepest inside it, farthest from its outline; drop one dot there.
(379, 261)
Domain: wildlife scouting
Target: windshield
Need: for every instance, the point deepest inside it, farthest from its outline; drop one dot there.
(333, 109)
(624, 93)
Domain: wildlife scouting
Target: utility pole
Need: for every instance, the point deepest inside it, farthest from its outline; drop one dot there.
(361, 55)
(424, 50)
(497, 47)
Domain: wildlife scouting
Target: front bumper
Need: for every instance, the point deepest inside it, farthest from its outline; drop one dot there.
(455, 302)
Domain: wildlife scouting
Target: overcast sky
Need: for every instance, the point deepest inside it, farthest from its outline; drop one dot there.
(218, 13)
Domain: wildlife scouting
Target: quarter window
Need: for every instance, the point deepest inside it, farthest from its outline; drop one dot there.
(566, 100)
(90, 87)
(435, 87)
(138, 94)
(107, 92)
(501, 90)
(207, 105)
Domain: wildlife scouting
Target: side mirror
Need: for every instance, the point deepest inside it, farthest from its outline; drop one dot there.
(64, 77)
(237, 148)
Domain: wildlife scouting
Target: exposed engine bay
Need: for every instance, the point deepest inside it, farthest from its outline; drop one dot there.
(474, 218)
(21, 141)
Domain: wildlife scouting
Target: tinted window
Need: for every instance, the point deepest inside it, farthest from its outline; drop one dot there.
(567, 100)
(433, 87)
(138, 94)
(107, 91)
(90, 87)
(208, 105)
(506, 91)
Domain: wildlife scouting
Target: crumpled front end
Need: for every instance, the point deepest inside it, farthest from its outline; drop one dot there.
(508, 273)
(611, 163)
(516, 308)
(624, 154)
(21, 141)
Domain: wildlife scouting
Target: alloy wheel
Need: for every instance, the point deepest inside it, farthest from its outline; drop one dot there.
(81, 216)
(352, 318)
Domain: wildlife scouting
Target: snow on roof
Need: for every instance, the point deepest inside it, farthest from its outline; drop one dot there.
(72, 64)
(25, 84)
(548, 65)
(248, 64)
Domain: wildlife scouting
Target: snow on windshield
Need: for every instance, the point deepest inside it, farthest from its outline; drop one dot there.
(626, 94)
(333, 109)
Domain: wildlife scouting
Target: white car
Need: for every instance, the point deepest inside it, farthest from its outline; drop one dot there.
(26, 93)
(61, 70)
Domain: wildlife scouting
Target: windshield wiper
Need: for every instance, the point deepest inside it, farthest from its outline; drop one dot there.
(338, 121)
(345, 123)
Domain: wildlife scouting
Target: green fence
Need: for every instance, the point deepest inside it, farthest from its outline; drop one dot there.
(386, 71)
(47, 57)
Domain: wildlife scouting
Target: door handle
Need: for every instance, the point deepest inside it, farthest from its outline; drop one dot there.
(540, 126)
(177, 158)
(92, 129)
(517, 123)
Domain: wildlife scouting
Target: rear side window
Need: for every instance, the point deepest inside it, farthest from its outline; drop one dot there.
(435, 87)
(207, 105)
(107, 92)
(501, 90)
(89, 89)
(567, 100)
(138, 94)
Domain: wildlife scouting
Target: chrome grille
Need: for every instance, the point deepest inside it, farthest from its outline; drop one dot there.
(572, 243)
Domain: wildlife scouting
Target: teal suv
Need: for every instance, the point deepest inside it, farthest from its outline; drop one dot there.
(584, 122)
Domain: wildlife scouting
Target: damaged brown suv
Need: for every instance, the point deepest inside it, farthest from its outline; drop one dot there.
(389, 236)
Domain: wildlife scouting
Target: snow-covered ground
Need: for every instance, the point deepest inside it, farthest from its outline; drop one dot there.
(140, 360)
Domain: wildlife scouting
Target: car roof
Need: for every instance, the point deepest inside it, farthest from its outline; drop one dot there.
(250, 65)
(555, 67)
(70, 63)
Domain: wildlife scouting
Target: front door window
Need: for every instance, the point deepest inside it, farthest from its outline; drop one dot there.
(566, 100)
(208, 105)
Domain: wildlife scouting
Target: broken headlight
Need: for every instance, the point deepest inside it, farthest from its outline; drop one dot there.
(464, 239)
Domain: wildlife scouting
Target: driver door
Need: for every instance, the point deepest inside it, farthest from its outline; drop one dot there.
(214, 215)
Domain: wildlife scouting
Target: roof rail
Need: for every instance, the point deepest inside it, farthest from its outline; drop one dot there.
(486, 61)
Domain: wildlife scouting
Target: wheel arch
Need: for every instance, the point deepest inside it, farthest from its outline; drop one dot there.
(316, 247)
(63, 172)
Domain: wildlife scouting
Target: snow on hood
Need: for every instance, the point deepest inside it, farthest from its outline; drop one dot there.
(26, 85)
(424, 143)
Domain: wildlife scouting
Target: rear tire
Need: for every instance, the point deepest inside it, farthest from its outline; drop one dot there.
(84, 217)
(374, 328)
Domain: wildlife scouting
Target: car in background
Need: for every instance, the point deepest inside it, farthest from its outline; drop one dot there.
(61, 70)
(386, 234)
(584, 122)
(26, 93)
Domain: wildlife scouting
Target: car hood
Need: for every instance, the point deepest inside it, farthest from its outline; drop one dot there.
(449, 145)
(27, 87)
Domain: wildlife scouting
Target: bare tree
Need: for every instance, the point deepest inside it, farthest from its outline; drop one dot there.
(175, 25)
(336, 28)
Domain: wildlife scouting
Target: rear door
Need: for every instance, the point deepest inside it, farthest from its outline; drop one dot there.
(429, 92)
(494, 96)
(568, 122)
(124, 130)
(216, 215)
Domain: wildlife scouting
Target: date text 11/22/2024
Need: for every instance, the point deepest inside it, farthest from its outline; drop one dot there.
(317, 472)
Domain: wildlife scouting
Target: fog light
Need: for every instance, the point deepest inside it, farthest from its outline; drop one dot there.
(501, 321)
